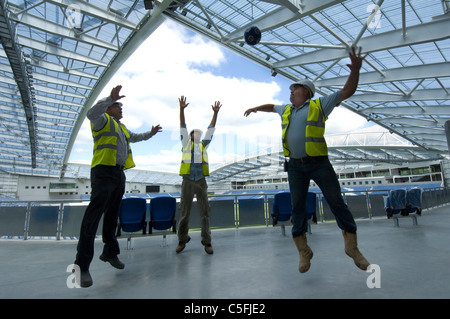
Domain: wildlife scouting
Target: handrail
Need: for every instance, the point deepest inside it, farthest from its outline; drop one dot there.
(435, 196)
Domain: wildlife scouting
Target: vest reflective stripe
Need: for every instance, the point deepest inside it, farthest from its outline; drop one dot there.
(315, 130)
(315, 144)
(284, 126)
(186, 159)
(105, 144)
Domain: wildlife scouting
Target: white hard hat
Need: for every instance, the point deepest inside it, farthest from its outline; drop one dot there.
(306, 83)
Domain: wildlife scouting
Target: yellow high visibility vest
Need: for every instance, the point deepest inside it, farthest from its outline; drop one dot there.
(105, 144)
(185, 168)
(315, 144)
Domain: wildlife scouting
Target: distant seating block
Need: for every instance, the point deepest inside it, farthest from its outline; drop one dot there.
(403, 203)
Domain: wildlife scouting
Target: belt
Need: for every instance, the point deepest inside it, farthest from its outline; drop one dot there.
(308, 159)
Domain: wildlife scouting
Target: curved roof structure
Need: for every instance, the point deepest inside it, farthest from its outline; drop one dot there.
(343, 150)
(57, 56)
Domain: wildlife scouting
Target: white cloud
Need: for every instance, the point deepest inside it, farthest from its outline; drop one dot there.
(171, 63)
(343, 121)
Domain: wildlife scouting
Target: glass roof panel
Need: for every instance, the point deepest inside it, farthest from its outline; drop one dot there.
(55, 59)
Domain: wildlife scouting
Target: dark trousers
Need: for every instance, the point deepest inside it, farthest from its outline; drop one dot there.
(108, 187)
(321, 171)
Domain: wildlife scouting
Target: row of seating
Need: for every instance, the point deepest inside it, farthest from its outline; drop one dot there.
(132, 216)
(133, 213)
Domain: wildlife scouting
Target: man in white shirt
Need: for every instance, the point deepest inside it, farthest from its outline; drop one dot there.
(194, 167)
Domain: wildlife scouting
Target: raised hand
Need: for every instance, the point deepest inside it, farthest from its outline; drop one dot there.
(155, 129)
(115, 93)
(216, 107)
(182, 101)
(356, 60)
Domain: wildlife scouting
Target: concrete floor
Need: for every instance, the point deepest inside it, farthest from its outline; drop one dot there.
(248, 263)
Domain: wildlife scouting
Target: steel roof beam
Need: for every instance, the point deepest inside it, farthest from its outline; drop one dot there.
(410, 110)
(425, 71)
(281, 16)
(59, 30)
(418, 95)
(57, 51)
(427, 32)
(63, 69)
(14, 54)
(96, 12)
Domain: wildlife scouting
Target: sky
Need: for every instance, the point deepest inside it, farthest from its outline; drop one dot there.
(174, 62)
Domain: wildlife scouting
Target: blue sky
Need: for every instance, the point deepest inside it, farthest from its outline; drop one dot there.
(174, 61)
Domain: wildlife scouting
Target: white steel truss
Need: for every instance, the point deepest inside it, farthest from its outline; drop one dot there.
(57, 56)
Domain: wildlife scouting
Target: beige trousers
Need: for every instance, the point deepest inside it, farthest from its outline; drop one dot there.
(189, 188)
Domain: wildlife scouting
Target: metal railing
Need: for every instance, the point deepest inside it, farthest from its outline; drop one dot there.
(62, 219)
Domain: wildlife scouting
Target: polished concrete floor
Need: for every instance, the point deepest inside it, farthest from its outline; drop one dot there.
(248, 263)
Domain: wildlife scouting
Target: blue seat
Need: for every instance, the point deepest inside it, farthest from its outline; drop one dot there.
(311, 205)
(396, 203)
(132, 217)
(162, 213)
(401, 202)
(414, 200)
(282, 209)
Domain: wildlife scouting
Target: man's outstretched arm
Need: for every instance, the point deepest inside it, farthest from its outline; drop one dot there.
(262, 108)
(353, 79)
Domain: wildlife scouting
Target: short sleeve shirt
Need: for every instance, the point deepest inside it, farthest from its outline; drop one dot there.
(296, 133)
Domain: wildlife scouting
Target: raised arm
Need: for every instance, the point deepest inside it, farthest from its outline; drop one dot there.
(115, 93)
(96, 113)
(262, 108)
(216, 107)
(353, 79)
(183, 105)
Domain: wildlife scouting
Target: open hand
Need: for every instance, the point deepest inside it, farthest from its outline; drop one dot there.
(183, 103)
(216, 107)
(251, 110)
(356, 60)
(115, 93)
(155, 129)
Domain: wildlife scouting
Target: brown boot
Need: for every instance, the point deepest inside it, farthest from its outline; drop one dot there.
(182, 245)
(209, 250)
(305, 253)
(351, 249)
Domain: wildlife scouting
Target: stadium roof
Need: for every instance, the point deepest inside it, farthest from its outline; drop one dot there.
(58, 55)
(345, 150)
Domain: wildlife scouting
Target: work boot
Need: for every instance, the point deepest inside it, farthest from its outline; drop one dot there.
(209, 250)
(351, 249)
(85, 279)
(305, 253)
(181, 245)
(114, 261)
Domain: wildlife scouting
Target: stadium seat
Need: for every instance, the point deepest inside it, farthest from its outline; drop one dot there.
(132, 217)
(402, 202)
(414, 200)
(162, 214)
(282, 209)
